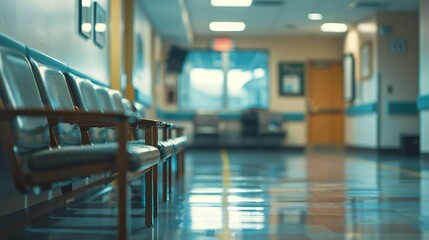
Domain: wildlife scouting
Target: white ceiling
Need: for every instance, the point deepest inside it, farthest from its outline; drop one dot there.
(170, 17)
(288, 17)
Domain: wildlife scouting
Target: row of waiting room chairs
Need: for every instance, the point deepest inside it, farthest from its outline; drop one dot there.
(58, 127)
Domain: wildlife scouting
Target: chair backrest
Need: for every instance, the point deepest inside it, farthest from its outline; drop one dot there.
(140, 113)
(104, 99)
(84, 93)
(116, 98)
(106, 105)
(128, 106)
(18, 90)
(55, 93)
(140, 109)
(206, 123)
(86, 100)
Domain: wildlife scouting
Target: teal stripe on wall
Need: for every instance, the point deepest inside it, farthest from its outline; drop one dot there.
(10, 43)
(294, 117)
(423, 102)
(81, 75)
(229, 116)
(361, 109)
(189, 115)
(170, 115)
(402, 108)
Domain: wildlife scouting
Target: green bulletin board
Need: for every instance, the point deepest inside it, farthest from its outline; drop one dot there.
(291, 78)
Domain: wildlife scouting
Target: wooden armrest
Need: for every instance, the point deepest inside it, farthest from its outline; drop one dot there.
(137, 122)
(65, 116)
(178, 127)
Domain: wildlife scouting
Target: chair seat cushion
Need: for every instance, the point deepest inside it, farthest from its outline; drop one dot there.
(140, 156)
(166, 148)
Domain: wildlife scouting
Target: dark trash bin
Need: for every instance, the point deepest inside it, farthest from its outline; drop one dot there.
(410, 145)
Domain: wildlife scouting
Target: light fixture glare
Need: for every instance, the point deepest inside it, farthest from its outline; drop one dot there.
(315, 16)
(334, 27)
(227, 26)
(231, 3)
(367, 27)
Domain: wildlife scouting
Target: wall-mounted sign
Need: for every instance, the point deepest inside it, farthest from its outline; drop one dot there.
(100, 22)
(385, 30)
(398, 46)
(85, 18)
(291, 79)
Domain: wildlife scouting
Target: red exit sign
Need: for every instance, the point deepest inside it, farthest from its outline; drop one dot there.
(223, 44)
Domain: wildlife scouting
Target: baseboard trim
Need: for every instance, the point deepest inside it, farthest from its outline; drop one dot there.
(383, 151)
(389, 151)
(247, 147)
(354, 149)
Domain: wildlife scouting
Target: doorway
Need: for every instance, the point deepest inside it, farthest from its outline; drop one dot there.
(325, 104)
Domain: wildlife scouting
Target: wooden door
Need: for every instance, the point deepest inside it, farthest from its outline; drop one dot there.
(325, 104)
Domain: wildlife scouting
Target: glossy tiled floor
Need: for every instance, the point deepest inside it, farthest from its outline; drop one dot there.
(270, 195)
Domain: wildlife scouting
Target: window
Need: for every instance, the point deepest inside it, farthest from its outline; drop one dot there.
(224, 81)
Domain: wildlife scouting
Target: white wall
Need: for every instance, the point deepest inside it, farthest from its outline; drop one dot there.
(424, 72)
(142, 71)
(361, 130)
(399, 72)
(51, 26)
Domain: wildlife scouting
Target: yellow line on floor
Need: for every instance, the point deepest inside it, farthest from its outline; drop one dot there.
(225, 233)
(226, 173)
(393, 168)
(397, 169)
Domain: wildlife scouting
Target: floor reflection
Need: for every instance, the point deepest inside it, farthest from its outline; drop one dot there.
(272, 195)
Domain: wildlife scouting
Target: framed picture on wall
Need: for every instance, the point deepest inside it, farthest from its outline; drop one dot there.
(366, 61)
(85, 18)
(100, 22)
(349, 77)
(291, 79)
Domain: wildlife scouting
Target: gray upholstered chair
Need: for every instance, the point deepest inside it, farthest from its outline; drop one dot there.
(165, 147)
(89, 96)
(35, 164)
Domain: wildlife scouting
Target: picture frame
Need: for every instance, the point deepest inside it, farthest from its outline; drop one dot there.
(349, 77)
(291, 78)
(366, 61)
(100, 25)
(85, 18)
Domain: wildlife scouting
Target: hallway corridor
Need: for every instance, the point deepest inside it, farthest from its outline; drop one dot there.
(253, 194)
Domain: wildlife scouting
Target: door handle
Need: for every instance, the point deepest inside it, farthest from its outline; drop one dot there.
(326, 110)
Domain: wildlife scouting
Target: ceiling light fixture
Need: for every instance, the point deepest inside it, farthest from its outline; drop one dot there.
(227, 26)
(231, 3)
(315, 16)
(334, 27)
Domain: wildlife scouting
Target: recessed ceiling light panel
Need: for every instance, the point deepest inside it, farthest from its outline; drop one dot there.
(315, 16)
(227, 26)
(231, 3)
(334, 27)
